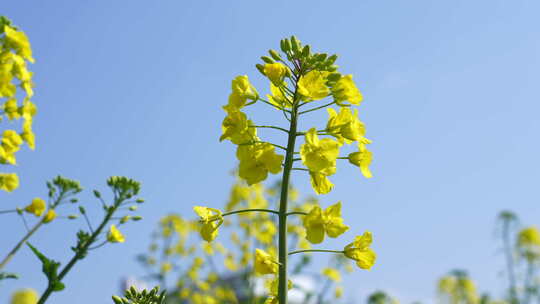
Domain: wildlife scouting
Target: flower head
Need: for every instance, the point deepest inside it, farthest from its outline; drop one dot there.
(360, 252)
(37, 207)
(275, 72)
(9, 181)
(318, 223)
(115, 236)
(345, 90)
(345, 125)
(18, 41)
(320, 182)
(210, 220)
(319, 154)
(256, 161)
(312, 86)
(362, 159)
(264, 263)
(236, 128)
(49, 216)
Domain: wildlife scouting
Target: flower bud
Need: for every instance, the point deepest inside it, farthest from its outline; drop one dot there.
(72, 217)
(97, 194)
(267, 59)
(275, 55)
(133, 208)
(285, 45)
(305, 51)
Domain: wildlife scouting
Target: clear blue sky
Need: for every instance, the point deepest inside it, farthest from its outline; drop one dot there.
(135, 88)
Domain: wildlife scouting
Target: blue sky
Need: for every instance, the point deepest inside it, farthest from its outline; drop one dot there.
(135, 88)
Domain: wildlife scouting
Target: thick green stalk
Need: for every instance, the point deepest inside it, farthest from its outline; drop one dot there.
(282, 246)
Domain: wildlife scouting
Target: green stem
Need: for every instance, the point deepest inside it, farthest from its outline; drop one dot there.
(271, 127)
(315, 250)
(8, 211)
(297, 212)
(81, 252)
(250, 210)
(317, 108)
(282, 242)
(509, 262)
(13, 251)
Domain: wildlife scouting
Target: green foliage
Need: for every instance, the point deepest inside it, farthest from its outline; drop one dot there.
(50, 269)
(133, 296)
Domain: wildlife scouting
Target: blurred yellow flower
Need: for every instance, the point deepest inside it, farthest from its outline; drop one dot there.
(210, 220)
(37, 207)
(115, 236)
(9, 181)
(332, 273)
(264, 263)
(49, 216)
(24, 296)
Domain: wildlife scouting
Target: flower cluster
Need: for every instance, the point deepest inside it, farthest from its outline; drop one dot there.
(15, 52)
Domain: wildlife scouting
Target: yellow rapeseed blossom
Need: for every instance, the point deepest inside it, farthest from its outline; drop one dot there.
(275, 72)
(312, 86)
(36, 207)
(49, 216)
(24, 296)
(338, 292)
(18, 41)
(529, 236)
(320, 183)
(345, 90)
(319, 154)
(210, 220)
(9, 181)
(235, 127)
(318, 223)
(256, 161)
(166, 267)
(264, 263)
(362, 159)
(345, 125)
(11, 142)
(242, 90)
(360, 252)
(115, 236)
(332, 273)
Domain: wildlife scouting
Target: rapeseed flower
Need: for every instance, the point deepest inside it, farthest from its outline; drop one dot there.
(36, 207)
(360, 252)
(210, 220)
(318, 223)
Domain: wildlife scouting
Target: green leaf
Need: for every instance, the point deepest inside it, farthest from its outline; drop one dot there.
(50, 267)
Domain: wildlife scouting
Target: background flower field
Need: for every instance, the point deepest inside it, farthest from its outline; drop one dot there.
(450, 101)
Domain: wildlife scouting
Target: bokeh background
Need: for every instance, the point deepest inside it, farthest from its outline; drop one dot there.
(135, 88)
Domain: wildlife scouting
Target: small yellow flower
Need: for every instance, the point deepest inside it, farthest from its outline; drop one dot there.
(166, 267)
(11, 109)
(9, 181)
(19, 41)
(360, 252)
(275, 72)
(49, 216)
(320, 182)
(332, 273)
(529, 236)
(24, 296)
(318, 223)
(210, 220)
(264, 263)
(236, 128)
(362, 159)
(312, 86)
(338, 292)
(37, 207)
(319, 154)
(115, 236)
(345, 90)
(345, 125)
(256, 161)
